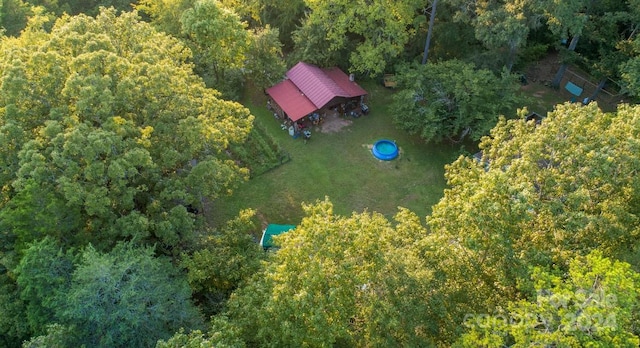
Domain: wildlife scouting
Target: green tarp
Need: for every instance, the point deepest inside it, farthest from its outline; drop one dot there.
(273, 230)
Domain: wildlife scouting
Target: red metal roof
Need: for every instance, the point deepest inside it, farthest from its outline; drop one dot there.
(314, 83)
(309, 88)
(291, 100)
(351, 88)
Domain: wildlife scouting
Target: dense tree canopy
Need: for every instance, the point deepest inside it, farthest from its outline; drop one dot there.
(112, 147)
(225, 50)
(105, 125)
(593, 305)
(349, 281)
(124, 298)
(371, 34)
(451, 99)
(539, 196)
(106, 135)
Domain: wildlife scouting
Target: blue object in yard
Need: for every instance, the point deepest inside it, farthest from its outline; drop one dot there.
(573, 89)
(273, 230)
(385, 150)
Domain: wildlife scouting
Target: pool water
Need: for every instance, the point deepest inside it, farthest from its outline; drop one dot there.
(385, 150)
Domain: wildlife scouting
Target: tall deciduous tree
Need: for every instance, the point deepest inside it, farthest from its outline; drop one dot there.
(126, 298)
(166, 14)
(220, 39)
(630, 70)
(451, 99)
(566, 19)
(226, 50)
(104, 122)
(371, 34)
(501, 25)
(593, 305)
(265, 64)
(539, 196)
(352, 281)
(284, 15)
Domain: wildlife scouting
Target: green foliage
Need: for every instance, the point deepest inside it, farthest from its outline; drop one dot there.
(370, 34)
(265, 64)
(592, 306)
(354, 281)
(283, 15)
(540, 196)
(451, 99)
(501, 26)
(260, 152)
(630, 70)
(221, 335)
(56, 337)
(13, 327)
(223, 261)
(107, 134)
(566, 18)
(13, 16)
(43, 278)
(126, 298)
(220, 41)
(225, 51)
(193, 339)
(165, 14)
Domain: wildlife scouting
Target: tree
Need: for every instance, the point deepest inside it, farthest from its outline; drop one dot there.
(539, 196)
(221, 335)
(126, 298)
(371, 34)
(165, 15)
(284, 15)
(432, 17)
(630, 71)
(43, 279)
(13, 16)
(226, 51)
(501, 26)
(220, 41)
(450, 100)
(223, 260)
(346, 281)
(566, 19)
(13, 327)
(593, 305)
(265, 64)
(105, 118)
(608, 28)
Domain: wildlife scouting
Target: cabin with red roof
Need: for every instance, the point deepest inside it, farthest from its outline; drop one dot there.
(308, 89)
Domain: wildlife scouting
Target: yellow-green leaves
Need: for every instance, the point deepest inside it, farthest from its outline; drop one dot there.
(451, 100)
(356, 281)
(545, 194)
(106, 117)
(372, 34)
(592, 306)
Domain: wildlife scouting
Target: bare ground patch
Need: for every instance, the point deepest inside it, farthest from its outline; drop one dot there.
(334, 123)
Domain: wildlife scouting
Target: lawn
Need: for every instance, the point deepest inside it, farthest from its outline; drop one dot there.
(542, 99)
(340, 166)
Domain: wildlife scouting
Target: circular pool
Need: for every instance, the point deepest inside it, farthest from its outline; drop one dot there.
(385, 150)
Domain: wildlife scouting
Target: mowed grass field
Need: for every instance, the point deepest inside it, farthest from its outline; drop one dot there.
(340, 166)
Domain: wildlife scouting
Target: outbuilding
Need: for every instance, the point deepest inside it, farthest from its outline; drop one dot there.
(309, 90)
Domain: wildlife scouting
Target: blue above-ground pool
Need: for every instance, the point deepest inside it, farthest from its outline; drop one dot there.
(385, 150)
